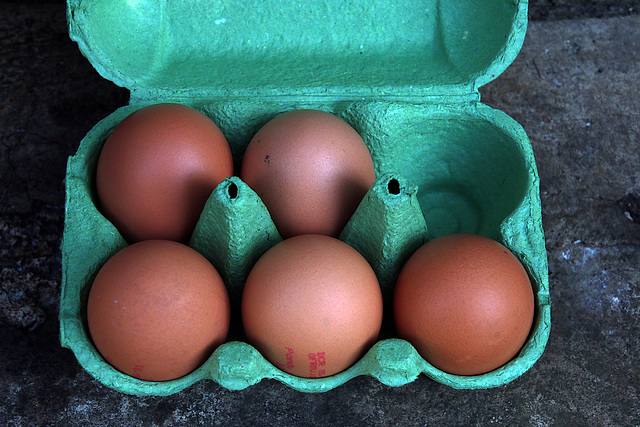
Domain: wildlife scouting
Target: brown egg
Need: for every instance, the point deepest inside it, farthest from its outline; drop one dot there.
(311, 170)
(157, 310)
(157, 169)
(312, 306)
(465, 303)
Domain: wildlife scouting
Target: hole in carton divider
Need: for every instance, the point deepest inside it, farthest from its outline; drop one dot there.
(393, 186)
(232, 189)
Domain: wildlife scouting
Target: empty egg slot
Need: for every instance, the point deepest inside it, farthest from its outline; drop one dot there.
(471, 173)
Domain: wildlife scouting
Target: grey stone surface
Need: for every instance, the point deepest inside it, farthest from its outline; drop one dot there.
(575, 88)
(574, 9)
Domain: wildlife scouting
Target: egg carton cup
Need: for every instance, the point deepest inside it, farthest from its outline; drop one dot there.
(444, 161)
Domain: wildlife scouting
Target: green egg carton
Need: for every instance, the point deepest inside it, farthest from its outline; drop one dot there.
(405, 74)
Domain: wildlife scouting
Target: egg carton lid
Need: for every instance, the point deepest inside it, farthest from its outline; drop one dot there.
(353, 49)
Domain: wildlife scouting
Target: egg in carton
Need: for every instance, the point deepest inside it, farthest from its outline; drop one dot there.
(405, 75)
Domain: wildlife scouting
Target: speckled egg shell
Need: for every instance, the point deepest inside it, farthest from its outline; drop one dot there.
(157, 310)
(157, 169)
(312, 306)
(465, 302)
(311, 169)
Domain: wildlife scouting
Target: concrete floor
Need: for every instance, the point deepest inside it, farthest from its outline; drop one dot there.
(575, 88)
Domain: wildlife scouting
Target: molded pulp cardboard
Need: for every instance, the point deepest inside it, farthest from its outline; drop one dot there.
(406, 75)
